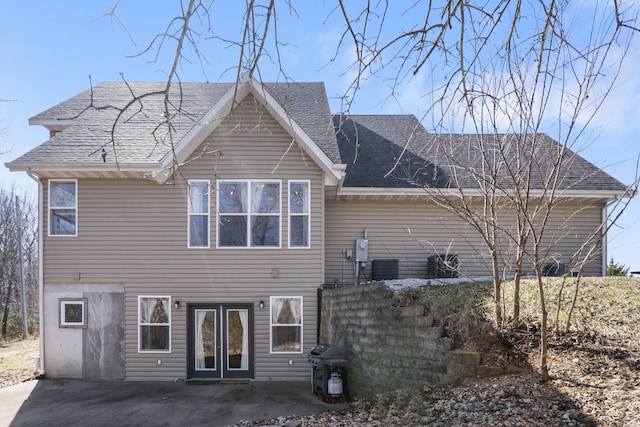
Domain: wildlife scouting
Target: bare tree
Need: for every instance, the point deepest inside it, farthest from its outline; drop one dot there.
(506, 72)
(3, 129)
(511, 72)
(10, 297)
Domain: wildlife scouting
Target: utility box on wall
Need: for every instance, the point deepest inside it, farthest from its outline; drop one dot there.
(362, 250)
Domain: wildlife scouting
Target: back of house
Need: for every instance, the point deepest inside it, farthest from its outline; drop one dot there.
(186, 233)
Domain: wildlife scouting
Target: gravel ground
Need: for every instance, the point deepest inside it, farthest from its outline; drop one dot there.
(590, 386)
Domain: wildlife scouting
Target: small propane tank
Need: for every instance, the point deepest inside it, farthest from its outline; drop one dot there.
(335, 385)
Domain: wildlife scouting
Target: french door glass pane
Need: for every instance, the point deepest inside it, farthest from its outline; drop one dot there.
(205, 339)
(237, 339)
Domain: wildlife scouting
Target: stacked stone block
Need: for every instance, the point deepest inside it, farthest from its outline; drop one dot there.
(388, 347)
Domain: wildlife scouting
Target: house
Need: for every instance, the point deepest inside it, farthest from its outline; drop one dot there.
(195, 248)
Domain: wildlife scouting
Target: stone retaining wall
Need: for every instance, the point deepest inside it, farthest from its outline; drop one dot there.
(390, 347)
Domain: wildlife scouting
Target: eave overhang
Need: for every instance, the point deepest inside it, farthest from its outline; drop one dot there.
(53, 125)
(80, 170)
(372, 193)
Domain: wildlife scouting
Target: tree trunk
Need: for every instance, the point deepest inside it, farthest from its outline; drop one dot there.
(497, 289)
(544, 369)
(516, 285)
(6, 311)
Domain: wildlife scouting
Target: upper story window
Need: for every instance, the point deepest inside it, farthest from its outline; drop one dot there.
(299, 212)
(198, 214)
(249, 213)
(63, 208)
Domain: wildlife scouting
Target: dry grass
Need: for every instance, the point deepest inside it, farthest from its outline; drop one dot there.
(18, 361)
(607, 307)
(607, 311)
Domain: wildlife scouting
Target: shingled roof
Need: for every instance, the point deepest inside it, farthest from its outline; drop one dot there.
(84, 123)
(395, 152)
(385, 153)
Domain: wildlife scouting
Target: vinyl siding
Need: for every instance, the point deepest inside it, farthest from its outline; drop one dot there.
(134, 232)
(413, 231)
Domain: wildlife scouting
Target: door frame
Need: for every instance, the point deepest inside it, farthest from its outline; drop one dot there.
(222, 371)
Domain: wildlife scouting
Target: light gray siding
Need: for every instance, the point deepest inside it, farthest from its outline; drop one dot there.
(411, 231)
(134, 232)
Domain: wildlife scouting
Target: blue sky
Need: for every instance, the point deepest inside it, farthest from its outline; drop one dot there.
(49, 50)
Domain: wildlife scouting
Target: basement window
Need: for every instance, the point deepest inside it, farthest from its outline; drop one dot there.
(73, 313)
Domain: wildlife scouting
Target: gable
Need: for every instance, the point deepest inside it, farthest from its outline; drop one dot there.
(249, 143)
(290, 105)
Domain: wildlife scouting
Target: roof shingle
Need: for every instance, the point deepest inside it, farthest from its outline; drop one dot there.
(380, 151)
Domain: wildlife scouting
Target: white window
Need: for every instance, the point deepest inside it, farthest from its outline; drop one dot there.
(299, 201)
(248, 214)
(286, 324)
(198, 227)
(154, 324)
(73, 313)
(63, 208)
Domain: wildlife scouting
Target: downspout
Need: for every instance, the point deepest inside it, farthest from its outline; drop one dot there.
(605, 217)
(603, 261)
(40, 269)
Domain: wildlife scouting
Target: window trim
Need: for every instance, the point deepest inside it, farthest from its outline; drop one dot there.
(271, 324)
(62, 323)
(140, 324)
(190, 214)
(306, 214)
(51, 208)
(249, 212)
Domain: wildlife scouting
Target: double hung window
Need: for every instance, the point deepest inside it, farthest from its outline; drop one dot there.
(286, 324)
(299, 212)
(249, 213)
(198, 214)
(63, 208)
(154, 324)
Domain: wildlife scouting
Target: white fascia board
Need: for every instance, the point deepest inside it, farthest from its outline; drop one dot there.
(294, 129)
(54, 123)
(201, 130)
(37, 169)
(339, 170)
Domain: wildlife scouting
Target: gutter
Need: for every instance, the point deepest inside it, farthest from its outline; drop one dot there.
(471, 192)
(41, 374)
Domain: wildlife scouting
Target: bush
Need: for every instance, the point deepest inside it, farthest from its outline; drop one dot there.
(615, 269)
